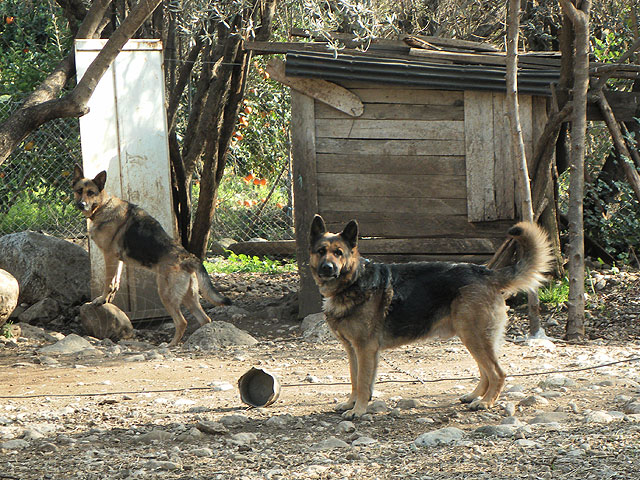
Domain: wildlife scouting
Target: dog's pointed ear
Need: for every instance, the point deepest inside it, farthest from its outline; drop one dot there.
(77, 174)
(100, 179)
(318, 228)
(350, 233)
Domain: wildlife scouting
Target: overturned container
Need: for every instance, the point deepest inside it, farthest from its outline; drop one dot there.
(258, 387)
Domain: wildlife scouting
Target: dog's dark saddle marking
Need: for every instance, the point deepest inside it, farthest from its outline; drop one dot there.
(144, 240)
(423, 293)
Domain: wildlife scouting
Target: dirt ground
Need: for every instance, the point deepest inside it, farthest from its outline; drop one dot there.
(140, 410)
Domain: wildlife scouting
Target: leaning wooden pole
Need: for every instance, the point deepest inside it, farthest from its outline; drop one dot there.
(579, 18)
(513, 27)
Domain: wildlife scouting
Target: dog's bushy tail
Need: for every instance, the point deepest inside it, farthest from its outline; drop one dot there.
(193, 265)
(535, 259)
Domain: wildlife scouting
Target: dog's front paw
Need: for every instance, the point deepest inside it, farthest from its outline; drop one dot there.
(478, 404)
(341, 407)
(468, 398)
(355, 412)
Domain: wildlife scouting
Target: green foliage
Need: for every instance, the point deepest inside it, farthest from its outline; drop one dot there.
(555, 293)
(248, 264)
(33, 38)
(5, 330)
(34, 210)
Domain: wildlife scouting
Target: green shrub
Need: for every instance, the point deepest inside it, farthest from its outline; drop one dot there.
(248, 264)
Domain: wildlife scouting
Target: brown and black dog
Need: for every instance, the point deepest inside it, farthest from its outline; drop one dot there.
(374, 306)
(127, 234)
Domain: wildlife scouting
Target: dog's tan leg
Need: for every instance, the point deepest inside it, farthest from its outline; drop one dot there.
(479, 391)
(353, 371)
(367, 358)
(112, 274)
(482, 348)
(172, 287)
(192, 302)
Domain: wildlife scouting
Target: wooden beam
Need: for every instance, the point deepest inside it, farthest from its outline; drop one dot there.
(305, 194)
(326, 92)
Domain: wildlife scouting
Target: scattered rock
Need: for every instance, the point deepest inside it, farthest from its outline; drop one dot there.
(46, 266)
(550, 417)
(16, 444)
(330, 444)
(105, 321)
(70, 344)
(216, 334)
(598, 417)
(377, 406)
(234, 420)
(556, 381)
(346, 427)
(43, 311)
(502, 431)
(9, 293)
(315, 329)
(532, 400)
(154, 435)
(363, 441)
(632, 408)
(444, 436)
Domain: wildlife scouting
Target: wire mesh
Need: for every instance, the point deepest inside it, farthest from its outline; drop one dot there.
(35, 191)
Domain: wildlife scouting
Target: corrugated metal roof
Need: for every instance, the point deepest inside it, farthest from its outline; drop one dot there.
(343, 67)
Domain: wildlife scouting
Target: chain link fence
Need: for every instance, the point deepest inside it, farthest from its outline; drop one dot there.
(35, 191)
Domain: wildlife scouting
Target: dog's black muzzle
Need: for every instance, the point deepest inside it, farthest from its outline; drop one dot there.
(82, 206)
(328, 270)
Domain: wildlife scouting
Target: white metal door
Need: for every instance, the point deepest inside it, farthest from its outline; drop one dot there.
(125, 133)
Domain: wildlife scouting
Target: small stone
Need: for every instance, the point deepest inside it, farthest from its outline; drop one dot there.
(234, 420)
(549, 417)
(48, 447)
(155, 435)
(281, 421)
(211, 428)
(533, 400)
(243, 438)
(598, 417)
(509, 409)
(444, 436)
(408, 403)
(632, 408)
(163, 465)
(32, 434)
(556, 381)
(14, 445)
(361, 441)
(524, 443)
(202, 452)
(135, 358)
(511, 421)
(330, 444)
(501, 431)
(377, 406)
(346, 427)
(70, 344)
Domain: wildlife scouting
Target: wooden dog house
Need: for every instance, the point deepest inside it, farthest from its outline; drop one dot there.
(411, 138)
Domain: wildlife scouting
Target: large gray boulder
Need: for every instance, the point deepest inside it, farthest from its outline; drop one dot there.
(46, 266)
(9, 292)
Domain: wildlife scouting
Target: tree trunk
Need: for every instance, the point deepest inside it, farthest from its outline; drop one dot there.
(517, 142)
(579, 18)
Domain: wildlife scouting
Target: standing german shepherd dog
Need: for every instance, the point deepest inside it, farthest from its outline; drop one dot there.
(374, 306)
(127, 234)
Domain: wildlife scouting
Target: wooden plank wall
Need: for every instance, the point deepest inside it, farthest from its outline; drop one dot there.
(400, 170)
(428, 174)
